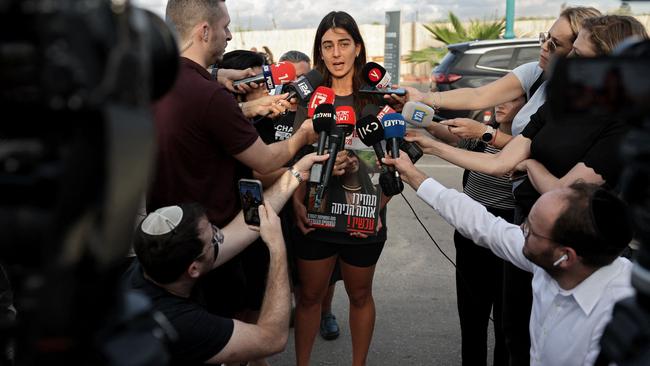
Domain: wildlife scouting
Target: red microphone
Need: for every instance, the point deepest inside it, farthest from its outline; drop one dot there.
(272, 75)
(283, 72)
(322, 95)
(346, 119)
(384, 111)
(376, 75)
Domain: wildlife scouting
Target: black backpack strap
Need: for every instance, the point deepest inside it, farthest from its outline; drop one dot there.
(535, 86)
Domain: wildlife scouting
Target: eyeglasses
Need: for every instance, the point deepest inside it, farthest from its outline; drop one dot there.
(527, 231)
(546, 36)
(217, 238)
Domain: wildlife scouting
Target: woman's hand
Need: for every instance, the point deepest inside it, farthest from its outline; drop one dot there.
(340, 163)
(300, 212)
(427, 144)
(412, 95)
(465, 128)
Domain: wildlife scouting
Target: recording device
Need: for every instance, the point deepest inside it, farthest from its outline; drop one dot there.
(272, 75)
(413, 150)
(304, 86)
(345, 121)
(250, 194)
(371, 133)
(322, 95)
(80, 79)
(382, 91)
(394, 130)
(324, 121)
(618, 87)
(420, 115)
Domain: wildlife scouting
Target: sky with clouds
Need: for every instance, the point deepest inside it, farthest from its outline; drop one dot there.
(288, 14)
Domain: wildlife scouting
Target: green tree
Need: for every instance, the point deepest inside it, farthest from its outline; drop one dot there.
(477, 29)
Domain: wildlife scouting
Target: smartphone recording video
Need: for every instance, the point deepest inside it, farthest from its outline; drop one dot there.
(250, 193)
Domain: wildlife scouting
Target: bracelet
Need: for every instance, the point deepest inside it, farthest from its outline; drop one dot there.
(214, 72)
(295, 174)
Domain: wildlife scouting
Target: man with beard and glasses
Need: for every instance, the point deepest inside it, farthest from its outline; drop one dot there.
(570, 242)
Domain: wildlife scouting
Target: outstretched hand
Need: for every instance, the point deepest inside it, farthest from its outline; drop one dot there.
(409, 173)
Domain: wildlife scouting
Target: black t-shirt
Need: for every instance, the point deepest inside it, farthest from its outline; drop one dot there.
(340, 237)
(561, 144)
(275, 130)
(201, 335)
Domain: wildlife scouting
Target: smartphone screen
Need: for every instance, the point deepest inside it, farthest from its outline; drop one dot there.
(250, 193)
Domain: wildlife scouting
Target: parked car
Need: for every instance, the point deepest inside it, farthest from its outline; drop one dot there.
(476, 63)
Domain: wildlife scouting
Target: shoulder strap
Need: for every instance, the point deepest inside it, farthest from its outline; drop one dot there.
(535, 86)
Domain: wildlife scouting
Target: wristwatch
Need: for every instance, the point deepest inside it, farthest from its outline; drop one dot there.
(488, 135)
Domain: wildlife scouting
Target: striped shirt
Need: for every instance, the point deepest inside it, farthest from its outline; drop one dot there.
(493, 192)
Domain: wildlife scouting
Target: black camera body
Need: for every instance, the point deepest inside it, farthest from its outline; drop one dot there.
(618, 87)
(77, 79)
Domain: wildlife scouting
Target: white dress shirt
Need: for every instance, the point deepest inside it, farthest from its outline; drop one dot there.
(565, 325)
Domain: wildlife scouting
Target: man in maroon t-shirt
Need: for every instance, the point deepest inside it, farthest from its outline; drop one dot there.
(204, 139)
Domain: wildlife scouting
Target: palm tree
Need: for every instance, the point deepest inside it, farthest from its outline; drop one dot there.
(490, 29)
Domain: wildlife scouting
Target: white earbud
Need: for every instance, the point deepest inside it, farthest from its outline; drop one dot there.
(560, 260)
(205, 34)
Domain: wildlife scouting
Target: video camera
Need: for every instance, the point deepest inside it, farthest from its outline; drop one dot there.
(77, 79)
(618, 87)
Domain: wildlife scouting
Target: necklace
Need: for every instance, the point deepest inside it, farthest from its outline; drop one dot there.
(353, 189)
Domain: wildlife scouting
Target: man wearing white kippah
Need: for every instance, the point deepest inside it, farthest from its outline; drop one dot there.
(177, 245)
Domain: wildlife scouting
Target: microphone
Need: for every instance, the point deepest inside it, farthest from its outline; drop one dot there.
(371, 133)
(304, 86)
(376, 75)
(394, 130)
(322, 95)
(324, 120)
(413, 150)
(420, 115)
(343, 127)
(272, 75)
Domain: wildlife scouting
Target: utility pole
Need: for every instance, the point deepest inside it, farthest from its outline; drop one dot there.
(510, 19)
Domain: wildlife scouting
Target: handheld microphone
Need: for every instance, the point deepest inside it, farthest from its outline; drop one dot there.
(394, 130)
(304, 86)
(324, 120)
(420, 115)
(371, 133)
(272, 75)
(376, 75)
(344, 126)
(413, 150)
(322, 95)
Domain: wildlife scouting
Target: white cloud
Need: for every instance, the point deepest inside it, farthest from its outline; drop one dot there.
(286, 14)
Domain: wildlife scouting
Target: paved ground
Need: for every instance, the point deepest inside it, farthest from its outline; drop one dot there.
(414, 290)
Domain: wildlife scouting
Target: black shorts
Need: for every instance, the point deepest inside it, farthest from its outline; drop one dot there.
(358, 255)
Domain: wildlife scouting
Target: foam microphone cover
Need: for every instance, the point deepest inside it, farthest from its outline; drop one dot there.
(324, 118)
(418, 114)
(373, 73)
(283, 72)
(370, 130)
(322, 95)
(394, 126)
(346, 118)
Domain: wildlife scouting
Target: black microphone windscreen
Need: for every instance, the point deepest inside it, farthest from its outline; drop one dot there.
(370, 130)
(324, 118)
